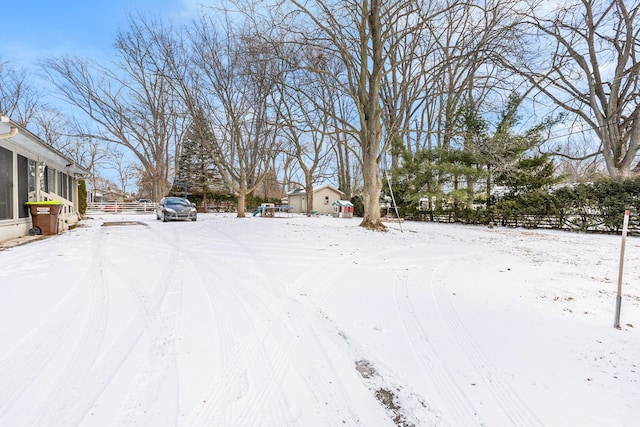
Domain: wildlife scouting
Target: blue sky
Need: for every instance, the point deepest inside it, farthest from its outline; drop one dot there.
(32, 30)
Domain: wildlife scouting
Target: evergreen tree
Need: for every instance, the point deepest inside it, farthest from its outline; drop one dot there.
(82, 197)
(529, 197)
(196, 171)
(452, 176)
(528, 174)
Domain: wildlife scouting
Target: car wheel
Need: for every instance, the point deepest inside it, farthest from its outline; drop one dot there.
(194, 219)
(157, 217)
(164, 217)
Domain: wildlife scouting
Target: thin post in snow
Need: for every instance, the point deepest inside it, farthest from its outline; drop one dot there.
(625, 227)
(393, 199)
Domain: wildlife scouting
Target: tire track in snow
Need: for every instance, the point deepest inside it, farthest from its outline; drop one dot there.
(93, 323)
(309, 285)
(277, 360)
(448, 392)
(23, 366)
(153, 396)
(514, 408)
(81, 396)
(25, 363)
(336, 396)
(234, 323)
(229, 387)
(271, 325)
(244, 353)
(318, 290)
(251, 359)
(228, 300)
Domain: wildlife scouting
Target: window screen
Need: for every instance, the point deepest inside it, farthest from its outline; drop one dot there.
(6, 184)
(23, 186)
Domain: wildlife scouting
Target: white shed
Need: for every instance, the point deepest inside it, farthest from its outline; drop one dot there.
(323, 198)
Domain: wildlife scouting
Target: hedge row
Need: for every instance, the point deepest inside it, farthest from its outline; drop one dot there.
(594, 207)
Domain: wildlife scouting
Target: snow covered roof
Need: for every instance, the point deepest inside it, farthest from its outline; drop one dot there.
(301, 190)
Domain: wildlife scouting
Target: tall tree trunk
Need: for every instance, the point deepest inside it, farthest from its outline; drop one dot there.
(371, 121)
(241, 205)
(371, 191)
(309, 190)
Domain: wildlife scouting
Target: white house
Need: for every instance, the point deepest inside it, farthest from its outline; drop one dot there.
(32, 171)
(323, 198)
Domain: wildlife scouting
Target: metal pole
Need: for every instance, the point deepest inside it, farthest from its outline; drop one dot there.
(625, 227)
(393, 199)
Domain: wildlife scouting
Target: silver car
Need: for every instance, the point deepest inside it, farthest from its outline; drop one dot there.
(171, 208)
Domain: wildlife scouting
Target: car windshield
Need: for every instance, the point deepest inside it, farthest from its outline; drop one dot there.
(180, 202)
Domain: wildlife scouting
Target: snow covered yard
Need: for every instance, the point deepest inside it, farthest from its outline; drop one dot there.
(316, 322)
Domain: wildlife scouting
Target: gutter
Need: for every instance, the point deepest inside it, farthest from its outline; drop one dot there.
(13, 132)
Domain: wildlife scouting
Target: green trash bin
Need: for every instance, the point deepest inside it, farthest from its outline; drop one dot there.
(44, 217)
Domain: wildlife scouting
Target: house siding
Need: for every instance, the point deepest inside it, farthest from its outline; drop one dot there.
(323, 198)
(32, 171)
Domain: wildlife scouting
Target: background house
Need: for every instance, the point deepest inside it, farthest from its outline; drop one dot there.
(323, 198)
(30, 171)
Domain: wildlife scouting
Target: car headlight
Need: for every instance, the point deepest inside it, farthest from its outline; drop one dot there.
(169, 210)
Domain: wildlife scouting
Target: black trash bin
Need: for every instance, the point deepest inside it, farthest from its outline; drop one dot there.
(44, 216)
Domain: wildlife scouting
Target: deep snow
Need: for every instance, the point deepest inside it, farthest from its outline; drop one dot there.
(316, 322)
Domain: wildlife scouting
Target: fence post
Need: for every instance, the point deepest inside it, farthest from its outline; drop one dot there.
(625, 227)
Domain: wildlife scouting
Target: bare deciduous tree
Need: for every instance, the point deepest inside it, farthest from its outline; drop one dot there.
(56, 130)
(355, 33)
(19, 98)
(592, 70)
(306, 129)
(230, 79)
(131, 103)
(124, 169)
(348, 165)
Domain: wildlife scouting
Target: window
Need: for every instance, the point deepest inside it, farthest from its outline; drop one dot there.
(43, 173)
(6, 184)
(32, 180)
(23, 186)
(70, 188)
(61, 183)
(51, 179)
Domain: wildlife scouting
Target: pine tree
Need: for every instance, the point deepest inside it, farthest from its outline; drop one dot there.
(477, 155)
(196, 171)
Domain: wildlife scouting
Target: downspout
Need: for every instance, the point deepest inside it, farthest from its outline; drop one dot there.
(13, 132)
